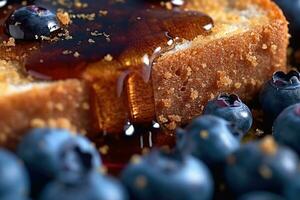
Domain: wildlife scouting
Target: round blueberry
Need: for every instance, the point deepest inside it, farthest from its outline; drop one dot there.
(161, 175)
(14, 178)
(78, 157)
(260, 195)
(91, 187)
(262, 165)
(56, 153)
(31, 23)
(286, 127)
(232, 109)
(292, 190)
(280, 92)
(208, 138)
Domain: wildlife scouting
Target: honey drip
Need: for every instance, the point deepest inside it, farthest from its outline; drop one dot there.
(125, 37)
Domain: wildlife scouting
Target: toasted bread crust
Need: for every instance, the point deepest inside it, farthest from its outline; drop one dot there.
(62, 104)
(239, 64)
(182, 81)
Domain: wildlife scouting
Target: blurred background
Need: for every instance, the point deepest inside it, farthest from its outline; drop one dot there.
(291, 9)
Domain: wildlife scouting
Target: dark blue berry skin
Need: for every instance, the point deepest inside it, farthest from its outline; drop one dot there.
(208, 138)
(286, 127)
(14, 197)
(261, 166)
(280, 92)
(261, 196)
(168, 176)
(14, 179)
(91, 187)
(56, 153)
(292, 190)
(31, 22)
(232, 109)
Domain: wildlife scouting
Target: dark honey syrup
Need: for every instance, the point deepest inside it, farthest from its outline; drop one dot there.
(127, 31)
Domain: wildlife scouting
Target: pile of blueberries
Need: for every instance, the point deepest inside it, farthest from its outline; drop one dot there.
(209, 161)
(53, 164)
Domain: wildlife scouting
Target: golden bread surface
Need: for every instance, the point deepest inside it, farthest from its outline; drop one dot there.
(247, 44)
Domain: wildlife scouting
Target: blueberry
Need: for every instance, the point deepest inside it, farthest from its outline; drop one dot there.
(209, 138)
(232, 109)
(56, 153)
(91, 187)
(78, 157)
(261, 165)
(280, 92)
(168, 176)
(286, 127)
(292, 190)
(260, 195)
(14, 178)
(31, 23)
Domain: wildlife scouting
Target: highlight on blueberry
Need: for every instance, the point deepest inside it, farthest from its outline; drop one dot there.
(3, 3)
(31, 23)
(286, 127)
(209, 138)
(162, 175)
(231, 108)
(261, 166)
(14, 181)
(280, 92)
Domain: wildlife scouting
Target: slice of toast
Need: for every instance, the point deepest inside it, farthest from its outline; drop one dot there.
(247, 44)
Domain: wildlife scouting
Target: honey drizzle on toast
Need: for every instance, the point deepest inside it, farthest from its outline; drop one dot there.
(108, 29)
(129, 35)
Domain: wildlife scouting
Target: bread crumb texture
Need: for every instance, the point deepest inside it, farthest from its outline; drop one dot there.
(63, 104)
(247, 45)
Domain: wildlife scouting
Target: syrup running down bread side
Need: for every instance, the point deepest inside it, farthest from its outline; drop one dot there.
(123, 38)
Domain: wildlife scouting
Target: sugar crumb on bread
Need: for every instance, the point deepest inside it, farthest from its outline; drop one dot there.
(247, 44)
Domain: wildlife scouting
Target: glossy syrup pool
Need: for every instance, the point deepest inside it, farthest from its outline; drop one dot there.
(116, 150)
(132, 33)
(126, 30)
